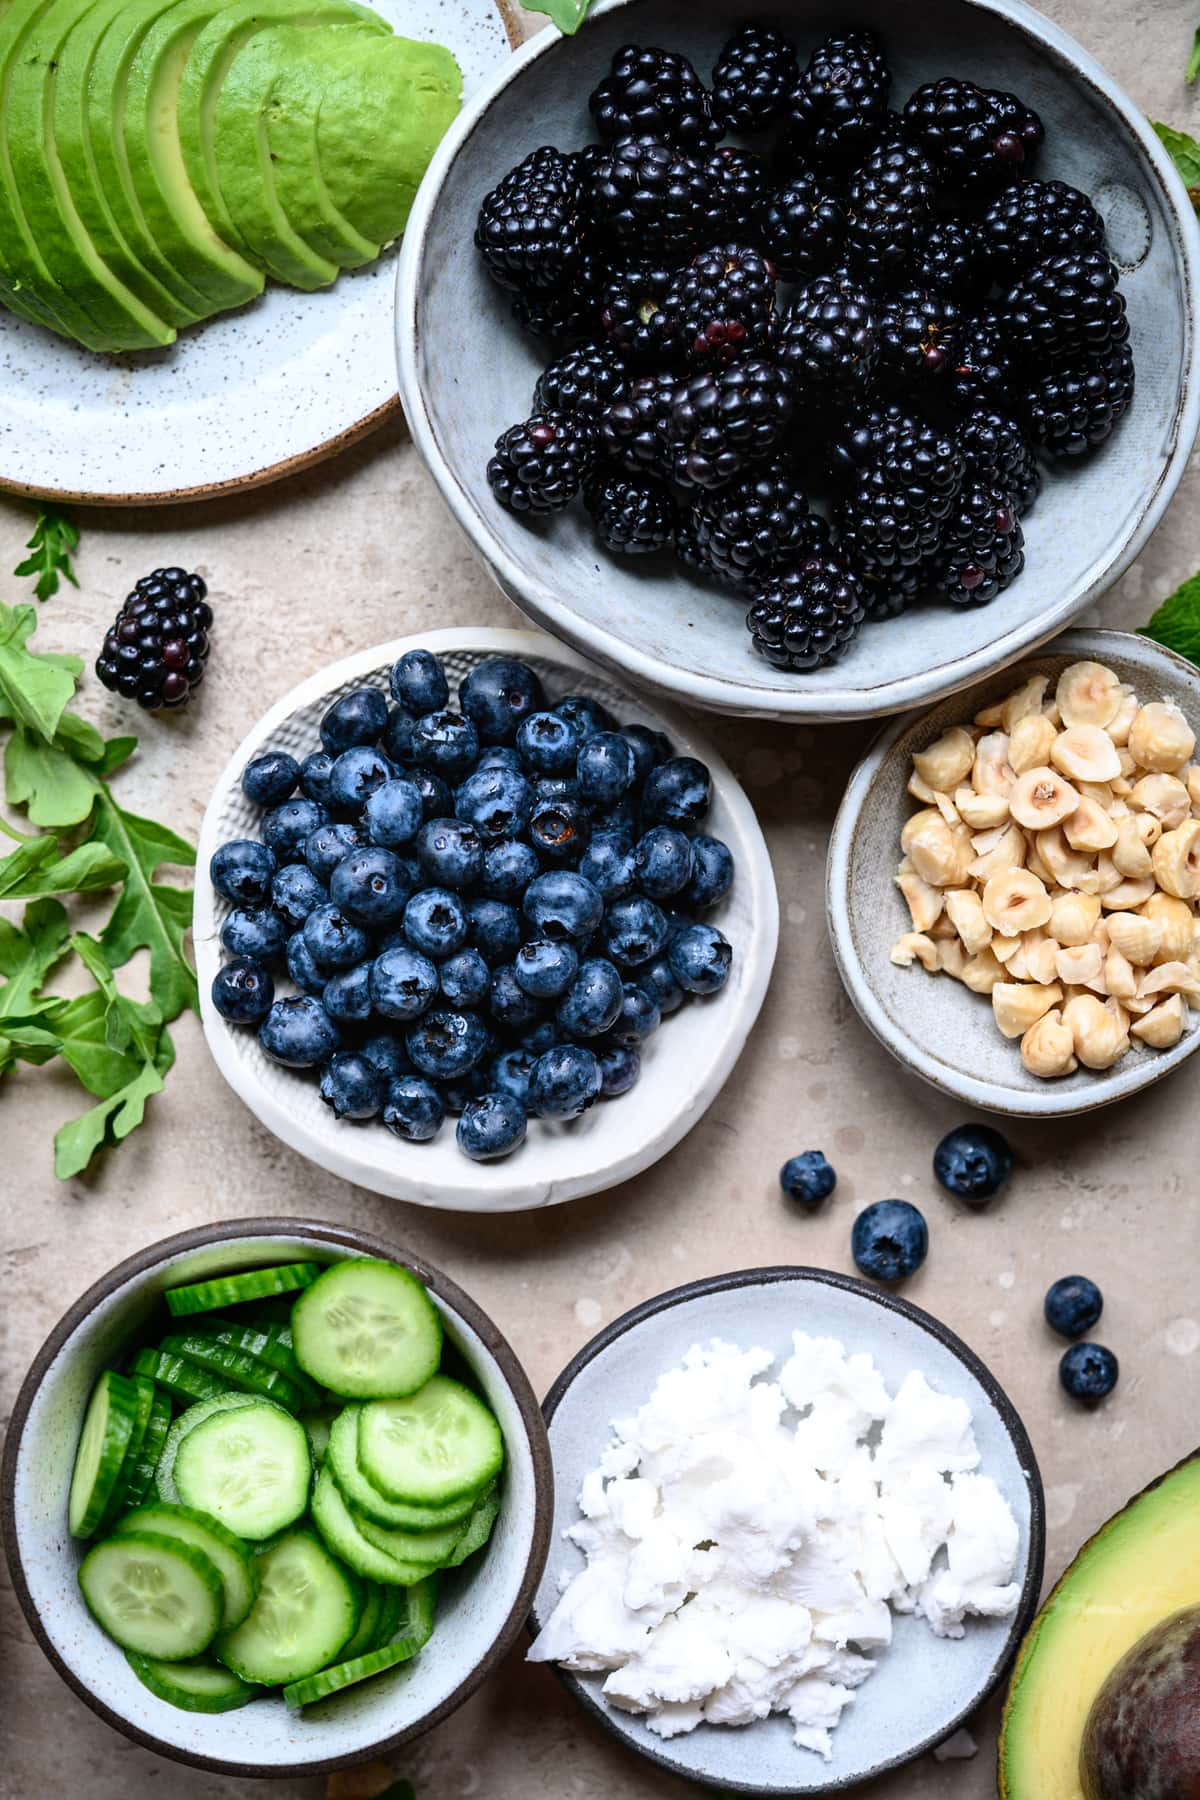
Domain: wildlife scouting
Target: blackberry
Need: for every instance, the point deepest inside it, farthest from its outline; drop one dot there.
(156, 648)
(653, 93)
(807, 616)
(983, 138)
(652, 200)
(889, 205)
(983, 372)
(631, 517)
(918, 337)
(839, 105)
(1071, 410)
(755, 523)
(635, 427)
(924, 464)
(722, 305)
(828, 343)
(753, 79)
(539, 466)
(740, 186)
(859, 439)
(954, 259)
(983, 546)
(531, 227)
(721, 421)
(586, 380)
(688, 553)
(567, 313)
(633, 318)
(803, 227)
(996, 452)
(885, 596)
(1064, 307)
(1035, 219)
(890, 528)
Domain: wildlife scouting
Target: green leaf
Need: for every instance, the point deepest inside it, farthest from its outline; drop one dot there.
(1185, 153)
(47, 780)
(34, 689)
(568, 15)
(1176, 624)
(34, 869)
(55, 536)
(28, 952)
(1193, 66)
(149, 915)
(116, 751)
(114, 1117)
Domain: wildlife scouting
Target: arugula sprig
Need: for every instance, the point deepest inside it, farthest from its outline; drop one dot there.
(55, 537)
(1176, 624)
(57, 769)
(1193, 66)
(568, 15)
(1184, 152)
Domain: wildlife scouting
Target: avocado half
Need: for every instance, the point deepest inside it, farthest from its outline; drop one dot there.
(1139, 1569)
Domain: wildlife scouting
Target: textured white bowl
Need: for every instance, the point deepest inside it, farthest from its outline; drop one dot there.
(480, 1608)
(932, 1024)
(924, 1687)
(467, 371)
(682, 1069)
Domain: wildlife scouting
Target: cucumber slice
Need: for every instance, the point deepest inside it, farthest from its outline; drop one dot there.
(432, 1447)
(366, 1632)
(343, 1460)
(228, 1555)
(432, 1548)
(336, 1524)
(232, 1290)
(319, 1426)
(392, 1613)
(409, 1616)
(308, 1606)
(186, 1381)
(345, 1674)
(414, 1621)
(270, 1343)
(146, 1392)
(153, 1594)
(367, 1330)
(479, 1529)
(164, 1475)
(108, 1428)
(248, 1466)
(199, 1686)
(141, 1484)
(237, 1368)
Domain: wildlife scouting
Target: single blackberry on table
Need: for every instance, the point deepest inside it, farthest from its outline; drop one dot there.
(156, 648)
(585, 380)
(983, 138)
(983, 546)
(753, 79)
(531, 227)
(890, 528)
(1065, 306)
(1035, 219)
(632, 516)
(651, 200)
(807, 616)
(754, 523)
(828, 343)
(740, 185)
(1071, 410)
(633, 317)
(918, 337)
(722, 305)
(539, 466)
(636, 427)
(839, 105)
(723, 420)
(803, 227)
(996, 452)
(889, 207)
(983, 373)
(653, 93)
(566, 314)
(953, 259)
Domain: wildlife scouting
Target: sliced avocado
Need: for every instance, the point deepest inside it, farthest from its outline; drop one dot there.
(1139, 1569)
(64, 245)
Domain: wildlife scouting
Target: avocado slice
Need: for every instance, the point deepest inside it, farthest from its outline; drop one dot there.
(1139, 1569)
(63, 243)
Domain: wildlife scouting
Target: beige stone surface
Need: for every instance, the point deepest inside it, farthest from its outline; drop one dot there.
(361, 551)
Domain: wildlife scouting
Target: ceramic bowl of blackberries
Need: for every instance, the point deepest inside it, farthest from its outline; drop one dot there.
(475, 927)
(802, 373)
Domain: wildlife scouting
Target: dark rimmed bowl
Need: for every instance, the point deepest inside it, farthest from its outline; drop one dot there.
(481, 1608)
(924, 1687)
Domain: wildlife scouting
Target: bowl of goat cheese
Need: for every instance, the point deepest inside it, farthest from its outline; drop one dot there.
(799, 1532)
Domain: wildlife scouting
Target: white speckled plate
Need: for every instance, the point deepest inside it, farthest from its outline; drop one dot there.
(924, 1687)
(247, 397)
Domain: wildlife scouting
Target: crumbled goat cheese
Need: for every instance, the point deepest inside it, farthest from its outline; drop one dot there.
(748, 1539)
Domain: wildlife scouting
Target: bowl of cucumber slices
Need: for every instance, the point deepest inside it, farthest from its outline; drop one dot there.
(276, 1497)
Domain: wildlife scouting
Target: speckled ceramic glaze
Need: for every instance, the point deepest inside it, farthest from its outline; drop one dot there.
(932, 1024)
(676, 635)
(245, 398)
(685, 1063)
(480, 1606)
(924, 1687)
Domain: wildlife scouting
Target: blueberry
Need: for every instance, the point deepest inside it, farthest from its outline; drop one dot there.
(604, 767)
(508, 869)
(548, 744)
(1073, 1305)
(890, 1240)
(357, 718)
(352, 1086)
(560, 830)
(356, 775)
(301, 967)
(459, 1094)
(662, 862)
(555, 787)
(545, 969)
(446, 1043)
(257, 932)
(403, 983)
(270, 779)
(396, 741)
(608, 863)
(973, 1162)
(509, 1073)
(678, 792)
(508, 1003)
(497, 802)
(634, 931)
(325, 847)
(393, 813)
(1088, 1372)
(808, 1179)
(539, 1038)
(660, 986)
(299, 1032)
(371, 886)
(497, 695)
(315, 771)
(649, 749)
(286, 827)
(387, 1054)
(450, 853)
(620, 1068)
(621, 821)
(499, 756)
(242, 871)
(700, 957)
(491, 1127)
(638, 1017)
(464, 979)
(712, 874)
(593, 1001)
(437, 802)
(347, 994)
(494, 929)
(418, 682)
(446, 744)
(413, 1109)
(562, 904)
(242, 991)
(333, 940)
(435, 922)
(587, 716)
(564, 1082)
(295, 890)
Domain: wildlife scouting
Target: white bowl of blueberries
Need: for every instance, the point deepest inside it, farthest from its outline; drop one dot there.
(437, 932)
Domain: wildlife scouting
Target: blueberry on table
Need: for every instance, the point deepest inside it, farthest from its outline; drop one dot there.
(559, 830)
(544, 969)
(347, 995)
(1073, 1305)
(446, 744)
(662, 862)
(497, 695)
(286, 827)
(678, 792)
(394, 814)
(450, 853)
(497, 801)
(357, 774)
(352, 1086)
(325, 847)
(508, 869)
(315, 771)
(403, 984)
(562, 904)
(445, 1044)
(302, 968)
(808, 1178)
(435, 922)
(608, 863)
(634, 931)
(413, 1109)
(1088, 1372)
(491, 1126)
(973, 1162)
(620, 1067)
(254, 931)
(295, 891)
(494, 928)
(371, 886)
(700, 957)
(357, 718)
(890, 1240)
(418, 682)
(604, 767)
(464, 979)
(711, 876)
(299, 1033)
(243, 871)
(548, 744)
(270, 779)
(242, 991)
(593, 1001)
(334, 941)
(564, 1082)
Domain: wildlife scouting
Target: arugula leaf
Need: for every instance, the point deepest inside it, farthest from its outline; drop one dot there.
(47, 780)
(55, 536)
(149, 915)
(568, 15)
(1193, 67)
(28, 952)
(1176, 624)
(34, 689)
(112, 1119)
(35, 869)
(1185, 153)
